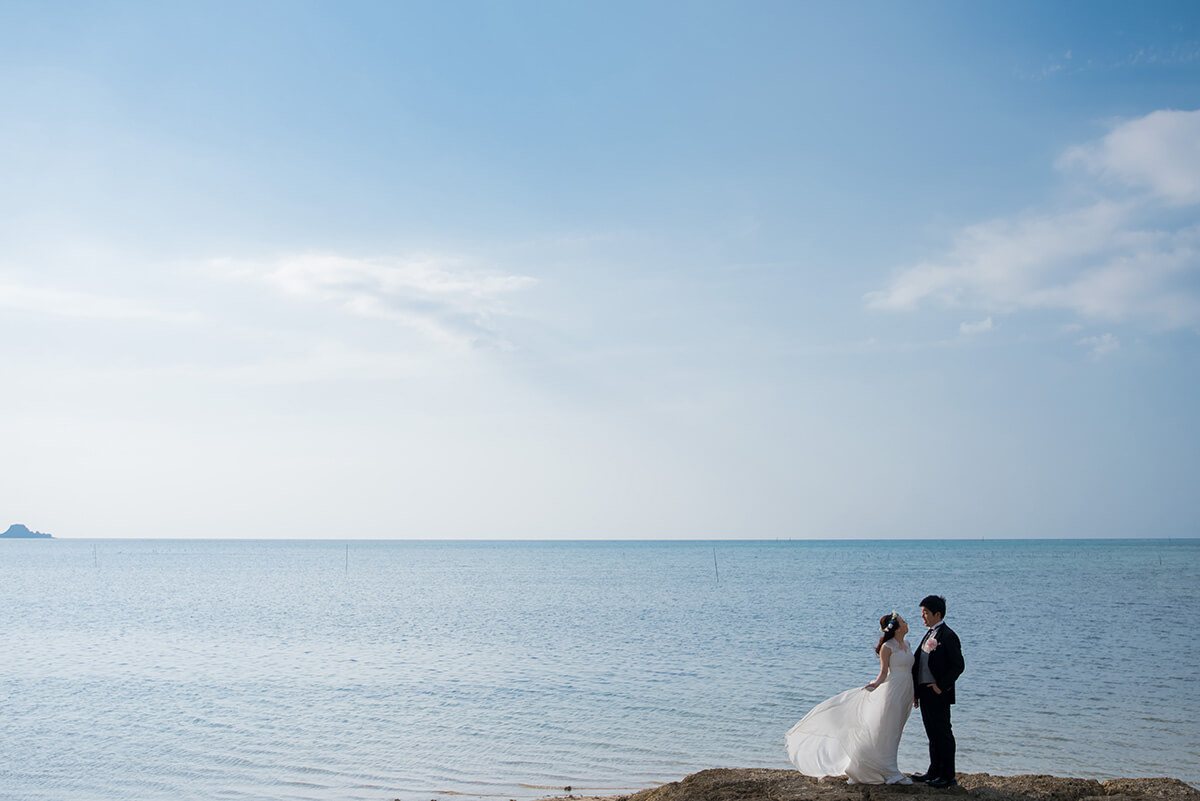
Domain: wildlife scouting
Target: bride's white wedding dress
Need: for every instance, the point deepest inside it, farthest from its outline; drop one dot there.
(857, 732)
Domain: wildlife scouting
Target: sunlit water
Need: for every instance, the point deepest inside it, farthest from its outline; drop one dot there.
(312, 670)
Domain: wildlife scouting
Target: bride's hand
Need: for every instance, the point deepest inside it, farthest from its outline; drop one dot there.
(871, 687)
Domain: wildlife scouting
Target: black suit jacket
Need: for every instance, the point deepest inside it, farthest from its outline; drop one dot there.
(945, 662)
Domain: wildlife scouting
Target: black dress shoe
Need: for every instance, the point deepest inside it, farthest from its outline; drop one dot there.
(941, 783)
(920, 777)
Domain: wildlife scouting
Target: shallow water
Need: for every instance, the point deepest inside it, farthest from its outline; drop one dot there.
(177, 669)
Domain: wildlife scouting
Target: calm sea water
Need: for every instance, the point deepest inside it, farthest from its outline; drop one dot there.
(419, 670)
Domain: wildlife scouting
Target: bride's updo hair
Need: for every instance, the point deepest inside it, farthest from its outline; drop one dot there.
(887, 624)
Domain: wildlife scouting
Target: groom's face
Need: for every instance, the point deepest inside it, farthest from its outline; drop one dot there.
(930, 618)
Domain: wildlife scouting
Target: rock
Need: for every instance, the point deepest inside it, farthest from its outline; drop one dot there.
(1147, 788)
(756, 783)
(761, 784)
(1043, 788)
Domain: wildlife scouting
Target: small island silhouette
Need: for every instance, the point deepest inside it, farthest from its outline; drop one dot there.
(18, 531)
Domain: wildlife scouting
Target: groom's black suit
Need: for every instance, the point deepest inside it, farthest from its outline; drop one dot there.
(946, 665)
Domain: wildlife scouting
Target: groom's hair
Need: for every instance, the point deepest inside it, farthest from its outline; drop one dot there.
(935, 604)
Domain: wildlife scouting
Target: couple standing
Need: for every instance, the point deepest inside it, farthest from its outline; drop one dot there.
(857, 733)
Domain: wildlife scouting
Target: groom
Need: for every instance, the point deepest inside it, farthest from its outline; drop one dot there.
(939, 662)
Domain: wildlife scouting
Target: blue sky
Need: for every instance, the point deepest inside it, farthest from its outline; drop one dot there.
(609, 270)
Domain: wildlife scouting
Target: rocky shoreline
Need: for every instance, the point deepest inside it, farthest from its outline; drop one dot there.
(760, 784)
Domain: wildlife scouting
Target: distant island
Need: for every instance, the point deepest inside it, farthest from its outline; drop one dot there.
(19, 532)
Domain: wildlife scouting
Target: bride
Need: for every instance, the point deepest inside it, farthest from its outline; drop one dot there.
(857, 732)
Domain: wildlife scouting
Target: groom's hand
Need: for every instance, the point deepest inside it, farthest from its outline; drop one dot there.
(936, 689)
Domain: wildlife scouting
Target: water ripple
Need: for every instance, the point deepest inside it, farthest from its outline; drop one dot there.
(241, 670)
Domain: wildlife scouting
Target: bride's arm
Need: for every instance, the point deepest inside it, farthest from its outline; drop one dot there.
(885, 658)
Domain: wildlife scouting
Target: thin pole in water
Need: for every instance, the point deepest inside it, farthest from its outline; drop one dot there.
(716, 573)
(347, 557)
(95, 554)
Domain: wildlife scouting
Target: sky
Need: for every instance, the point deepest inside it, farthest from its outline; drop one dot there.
(665, 270)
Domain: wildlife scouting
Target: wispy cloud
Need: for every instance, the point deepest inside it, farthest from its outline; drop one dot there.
(1133, 254)
(436, 296)
(66, 303)
(1069, 63)
(1178, 53)
(320, 361)
(976, 328)
(1101, 346)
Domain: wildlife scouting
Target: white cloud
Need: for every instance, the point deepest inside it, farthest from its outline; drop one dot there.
(62, 303)
(976, 328)
(1102, 345)
(1124, 257)
(1159, 153)
(434, 296)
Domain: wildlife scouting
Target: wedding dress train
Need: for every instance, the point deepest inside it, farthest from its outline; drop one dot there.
(857, 733)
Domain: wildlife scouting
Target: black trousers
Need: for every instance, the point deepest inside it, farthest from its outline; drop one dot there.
(935, 714)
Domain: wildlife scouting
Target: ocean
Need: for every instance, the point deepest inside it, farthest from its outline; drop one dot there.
(378, 670)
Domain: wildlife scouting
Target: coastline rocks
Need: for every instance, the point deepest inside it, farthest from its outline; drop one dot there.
(761, 784)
